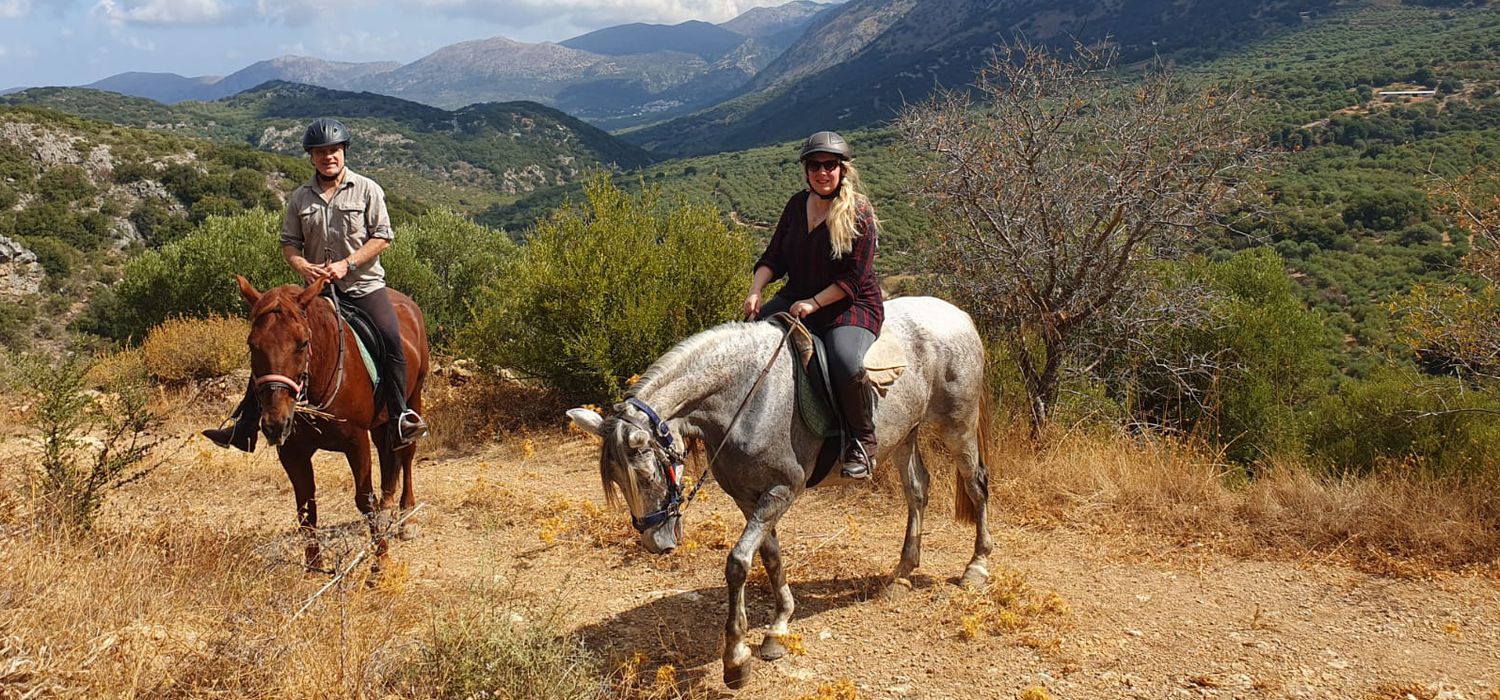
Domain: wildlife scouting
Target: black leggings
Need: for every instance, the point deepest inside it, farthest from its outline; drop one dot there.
(377, 305)
(846, 345)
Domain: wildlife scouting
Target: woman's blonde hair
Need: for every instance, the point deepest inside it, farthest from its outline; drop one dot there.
(843, 215)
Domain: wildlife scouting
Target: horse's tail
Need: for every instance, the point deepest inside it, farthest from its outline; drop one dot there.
(963, 508)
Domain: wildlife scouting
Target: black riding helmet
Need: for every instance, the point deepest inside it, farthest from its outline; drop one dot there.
(826, 142)
(324, 131)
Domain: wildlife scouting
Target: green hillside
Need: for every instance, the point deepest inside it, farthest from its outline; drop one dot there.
(468, 158)
(1347, 207)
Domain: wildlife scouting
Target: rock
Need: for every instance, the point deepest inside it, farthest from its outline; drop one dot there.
(20, 273)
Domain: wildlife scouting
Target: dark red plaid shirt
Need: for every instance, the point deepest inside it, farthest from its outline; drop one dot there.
(805, 258)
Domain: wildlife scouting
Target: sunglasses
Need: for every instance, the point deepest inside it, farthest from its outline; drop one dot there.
(826, 166)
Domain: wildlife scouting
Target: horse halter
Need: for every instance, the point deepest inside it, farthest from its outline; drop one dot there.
(298, 387)
(671, 467)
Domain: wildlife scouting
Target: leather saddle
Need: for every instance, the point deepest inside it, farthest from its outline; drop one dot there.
(371, 345)
(816, 402)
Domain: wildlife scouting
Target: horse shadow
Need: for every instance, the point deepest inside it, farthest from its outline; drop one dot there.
(686, 628)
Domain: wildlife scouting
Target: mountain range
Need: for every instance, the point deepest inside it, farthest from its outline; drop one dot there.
(613, 77)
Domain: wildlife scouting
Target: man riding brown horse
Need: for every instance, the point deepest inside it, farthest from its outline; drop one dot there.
(334, 230)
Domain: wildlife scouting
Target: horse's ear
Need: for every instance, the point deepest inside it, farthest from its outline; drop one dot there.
(589, 421)
(247, 290)
(313, 290)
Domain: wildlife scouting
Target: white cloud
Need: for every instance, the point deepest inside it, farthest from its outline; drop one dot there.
(164, 12)
(14, 9)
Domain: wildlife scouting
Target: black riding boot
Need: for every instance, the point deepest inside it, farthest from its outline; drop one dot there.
(408, 425)
(857, 399)
(242, 433)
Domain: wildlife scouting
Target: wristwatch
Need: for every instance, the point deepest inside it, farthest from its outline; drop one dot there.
(350, 262)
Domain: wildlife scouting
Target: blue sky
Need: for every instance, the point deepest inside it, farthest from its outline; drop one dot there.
(73, 42)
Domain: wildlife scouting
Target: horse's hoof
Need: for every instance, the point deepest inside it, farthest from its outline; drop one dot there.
(975, 577)
(896, 589)
(771, 648)
(737, 678)
(409, 532)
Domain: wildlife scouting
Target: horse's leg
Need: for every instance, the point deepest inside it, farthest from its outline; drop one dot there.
(358, 454)
(297, 462)
(772, 648)
(973, 484)
(759, 522)
(408, 454)
(914, 481)
(395, 465)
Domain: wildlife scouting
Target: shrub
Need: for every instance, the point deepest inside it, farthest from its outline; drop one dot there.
(480, 652)
(182, 349)
(57, 258)
(195, 276)
(1259, 359)
(90, 445)
(64, 184)
(117, 369)
(1399, 416)
(442, 259)
(157, 224)
(604, 287)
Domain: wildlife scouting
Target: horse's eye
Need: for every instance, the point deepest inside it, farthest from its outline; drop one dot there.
(301, 345)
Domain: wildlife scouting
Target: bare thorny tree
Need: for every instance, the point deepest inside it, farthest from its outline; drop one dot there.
(1056, 180)
(1455, 325)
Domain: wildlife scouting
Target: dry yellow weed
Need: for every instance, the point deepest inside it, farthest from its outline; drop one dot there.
(838, 690)
(1035, 692)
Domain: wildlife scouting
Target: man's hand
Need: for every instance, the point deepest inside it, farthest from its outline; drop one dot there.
(310, 273)
(339, 269)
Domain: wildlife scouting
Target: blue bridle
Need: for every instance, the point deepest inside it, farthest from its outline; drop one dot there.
(672, 466)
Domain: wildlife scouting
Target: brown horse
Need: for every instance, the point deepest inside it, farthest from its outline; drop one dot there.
(301, 353)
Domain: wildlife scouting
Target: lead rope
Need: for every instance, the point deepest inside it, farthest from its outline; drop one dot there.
(708, 471)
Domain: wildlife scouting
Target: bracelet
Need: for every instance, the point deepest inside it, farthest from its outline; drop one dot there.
(815, 301)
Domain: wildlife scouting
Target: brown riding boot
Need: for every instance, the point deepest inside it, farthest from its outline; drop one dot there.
(857, 398)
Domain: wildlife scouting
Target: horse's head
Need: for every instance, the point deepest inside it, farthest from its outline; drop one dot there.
(280, 355)
(637, 458)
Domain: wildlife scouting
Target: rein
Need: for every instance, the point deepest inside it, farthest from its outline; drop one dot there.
(662, 437)
(298, 387)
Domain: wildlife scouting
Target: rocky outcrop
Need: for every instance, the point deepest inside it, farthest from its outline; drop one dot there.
(20, 274)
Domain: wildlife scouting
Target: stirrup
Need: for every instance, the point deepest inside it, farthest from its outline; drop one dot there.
(861, 466)
(409, 428)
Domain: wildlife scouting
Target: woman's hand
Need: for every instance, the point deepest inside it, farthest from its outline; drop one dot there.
(752, 306)
(803, 308)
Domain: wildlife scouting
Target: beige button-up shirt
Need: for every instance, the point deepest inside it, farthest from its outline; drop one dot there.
(332, 230)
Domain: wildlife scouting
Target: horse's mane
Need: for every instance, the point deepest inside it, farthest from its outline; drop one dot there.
(689, 347)
(276, 299)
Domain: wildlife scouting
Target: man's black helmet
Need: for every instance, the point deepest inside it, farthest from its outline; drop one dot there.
(324, 132)
(826, 142)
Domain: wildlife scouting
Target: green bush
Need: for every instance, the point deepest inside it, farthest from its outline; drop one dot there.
(442, 260)
(64, 184)
(195, 276)
(1399, 417)
(157, 224)
(1268, 356)
(57, 258)
(604, 287)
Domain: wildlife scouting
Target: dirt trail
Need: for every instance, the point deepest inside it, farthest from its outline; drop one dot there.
(1129, 619)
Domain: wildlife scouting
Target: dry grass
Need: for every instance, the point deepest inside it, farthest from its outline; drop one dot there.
(465, 408)
(117, 369)
(1399, 521)
(183, 349)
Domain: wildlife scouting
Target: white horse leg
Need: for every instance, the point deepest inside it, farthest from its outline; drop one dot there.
(772, 648)
(914, 479)
(758, 524)
(974, 484)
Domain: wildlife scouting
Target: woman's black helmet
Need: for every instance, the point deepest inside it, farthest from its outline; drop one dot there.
(324, 132)
(826, 142)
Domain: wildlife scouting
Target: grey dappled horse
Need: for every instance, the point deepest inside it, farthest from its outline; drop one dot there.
(693, 392)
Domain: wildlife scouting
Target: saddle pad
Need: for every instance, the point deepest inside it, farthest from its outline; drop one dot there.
(364, 336)
(884, 363)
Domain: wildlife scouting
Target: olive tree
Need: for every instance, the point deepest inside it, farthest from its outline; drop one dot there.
(1056, 180)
